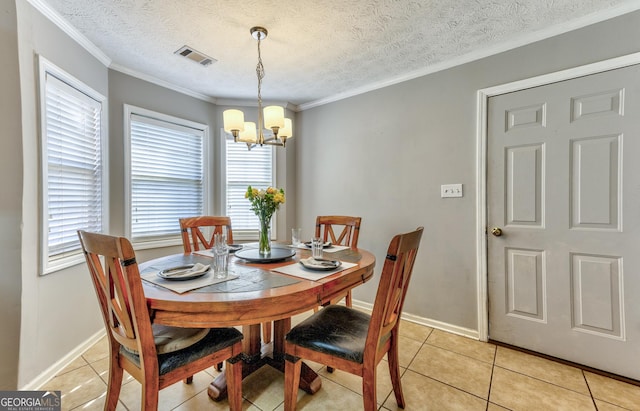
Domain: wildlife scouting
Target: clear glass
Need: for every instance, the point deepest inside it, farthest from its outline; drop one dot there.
(296, 236)
(316, 247)
(221, 256)
(264, 240)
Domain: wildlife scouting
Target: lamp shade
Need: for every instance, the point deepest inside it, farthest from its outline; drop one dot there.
(287, 130)
(273, 116)
(233, 120)
(249, 133)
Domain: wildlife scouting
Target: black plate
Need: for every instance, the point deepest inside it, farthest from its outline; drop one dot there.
(325, 245)
(327, 265)
(234, 247)
(166, 274)
(254, 256)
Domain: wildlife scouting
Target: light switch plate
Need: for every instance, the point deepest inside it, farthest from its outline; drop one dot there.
(451, 190)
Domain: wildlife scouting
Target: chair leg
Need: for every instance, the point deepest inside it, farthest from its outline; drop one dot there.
(348, 300)
(292, 367)
(219, 367)
(266, 332)
(150, 391)
(114, 385)
(188, 380)
(394, 370)
(369, 390)
(234, 383)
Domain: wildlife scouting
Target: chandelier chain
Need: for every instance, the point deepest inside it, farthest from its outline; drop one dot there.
(259, 72)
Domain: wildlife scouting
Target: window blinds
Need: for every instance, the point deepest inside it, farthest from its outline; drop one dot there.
(244, 168)
(167, 177)
(73, 180)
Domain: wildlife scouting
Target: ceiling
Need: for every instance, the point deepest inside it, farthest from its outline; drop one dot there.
(316, 50)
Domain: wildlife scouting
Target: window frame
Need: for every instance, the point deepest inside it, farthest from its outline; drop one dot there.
(130, 110)
(244, 234)
(48, 265)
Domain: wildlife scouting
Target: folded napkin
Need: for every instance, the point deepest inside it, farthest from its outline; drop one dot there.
(320, 263)
(196, 269)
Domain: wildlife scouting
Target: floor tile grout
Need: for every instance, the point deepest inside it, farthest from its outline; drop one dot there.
(389, 396)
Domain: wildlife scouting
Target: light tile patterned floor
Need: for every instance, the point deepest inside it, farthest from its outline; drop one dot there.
(440, 371)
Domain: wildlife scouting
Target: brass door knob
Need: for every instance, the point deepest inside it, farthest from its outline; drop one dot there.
(496, 231)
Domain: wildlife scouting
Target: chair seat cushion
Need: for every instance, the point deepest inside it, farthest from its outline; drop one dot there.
(214, 340)
(336, 330)
(170, 339)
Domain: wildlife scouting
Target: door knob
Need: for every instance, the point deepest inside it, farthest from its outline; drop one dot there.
(496, 231)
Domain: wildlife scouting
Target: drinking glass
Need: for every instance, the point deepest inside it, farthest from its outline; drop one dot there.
(296, 234)
(316, 247)
(221, 256)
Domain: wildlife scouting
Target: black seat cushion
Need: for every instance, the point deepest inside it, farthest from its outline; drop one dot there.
(217, 339)
(336, 330)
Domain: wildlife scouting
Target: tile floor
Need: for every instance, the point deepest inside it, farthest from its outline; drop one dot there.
(440, 371)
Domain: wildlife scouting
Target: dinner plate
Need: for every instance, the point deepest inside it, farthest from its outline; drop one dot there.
(174, 273)
(234, 247)
(320, 265)
(254, 256)
(325, 245)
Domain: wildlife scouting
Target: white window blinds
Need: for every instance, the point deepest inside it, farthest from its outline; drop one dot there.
(166, 177)
(72, 183)
(246, 168)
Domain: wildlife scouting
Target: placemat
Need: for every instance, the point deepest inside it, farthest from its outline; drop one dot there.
(182, 286)
(297, 270)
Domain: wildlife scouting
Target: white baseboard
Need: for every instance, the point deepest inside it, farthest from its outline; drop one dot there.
(454, 329)
(59, 365)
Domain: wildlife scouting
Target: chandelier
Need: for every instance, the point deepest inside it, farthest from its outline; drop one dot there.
(272, 117)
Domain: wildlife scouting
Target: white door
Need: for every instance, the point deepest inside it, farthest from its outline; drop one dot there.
(563, 186)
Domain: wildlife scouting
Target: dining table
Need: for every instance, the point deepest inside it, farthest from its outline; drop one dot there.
(256, 290)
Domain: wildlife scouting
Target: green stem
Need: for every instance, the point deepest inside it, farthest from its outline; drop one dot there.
(264, 245)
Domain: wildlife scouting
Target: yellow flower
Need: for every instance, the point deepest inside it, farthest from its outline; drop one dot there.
(271, 190)
(278, 198)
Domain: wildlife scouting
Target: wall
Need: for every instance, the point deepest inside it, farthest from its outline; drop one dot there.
(125, 89)
(11, 199)
(383, 155)
(59, 311)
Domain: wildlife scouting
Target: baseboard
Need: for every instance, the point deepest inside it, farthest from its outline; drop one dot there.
(59, 365)
(454, 329)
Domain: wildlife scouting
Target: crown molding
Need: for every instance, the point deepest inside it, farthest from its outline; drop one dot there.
(162, 83)
(485, 52)
(43, 7)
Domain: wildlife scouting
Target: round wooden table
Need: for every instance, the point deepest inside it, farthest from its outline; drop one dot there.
(258, 295)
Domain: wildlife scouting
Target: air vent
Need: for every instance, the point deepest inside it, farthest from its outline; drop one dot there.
(195, 55)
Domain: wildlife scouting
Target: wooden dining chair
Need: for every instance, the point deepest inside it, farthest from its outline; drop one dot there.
(348, 229)
(193, 233)
(193, 238)
(155, 355)
(352, 341)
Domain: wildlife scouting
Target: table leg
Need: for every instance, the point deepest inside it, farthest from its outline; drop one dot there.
(253, 359)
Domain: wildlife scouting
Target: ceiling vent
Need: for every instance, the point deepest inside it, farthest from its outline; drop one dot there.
(195, 55)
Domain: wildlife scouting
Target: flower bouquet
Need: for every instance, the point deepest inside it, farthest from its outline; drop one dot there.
(264, 203)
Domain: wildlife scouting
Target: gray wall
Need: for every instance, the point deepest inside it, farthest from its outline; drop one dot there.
(381, 155)
(59, 311)
(11, 198)
(384, 154)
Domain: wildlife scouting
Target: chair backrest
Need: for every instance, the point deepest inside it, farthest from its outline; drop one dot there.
(348, 227)
(116, 279)
(392, 289)
(194, 226)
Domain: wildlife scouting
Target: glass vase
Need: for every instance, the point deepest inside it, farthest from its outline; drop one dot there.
(264, 239)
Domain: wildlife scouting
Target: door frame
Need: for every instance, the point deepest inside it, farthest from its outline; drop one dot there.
(483, 96)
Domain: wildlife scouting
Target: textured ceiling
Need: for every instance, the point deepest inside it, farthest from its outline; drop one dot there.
(316, 49)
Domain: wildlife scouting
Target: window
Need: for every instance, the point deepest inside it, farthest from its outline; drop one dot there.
(244, 168)
(165, 175)
(73, 179)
